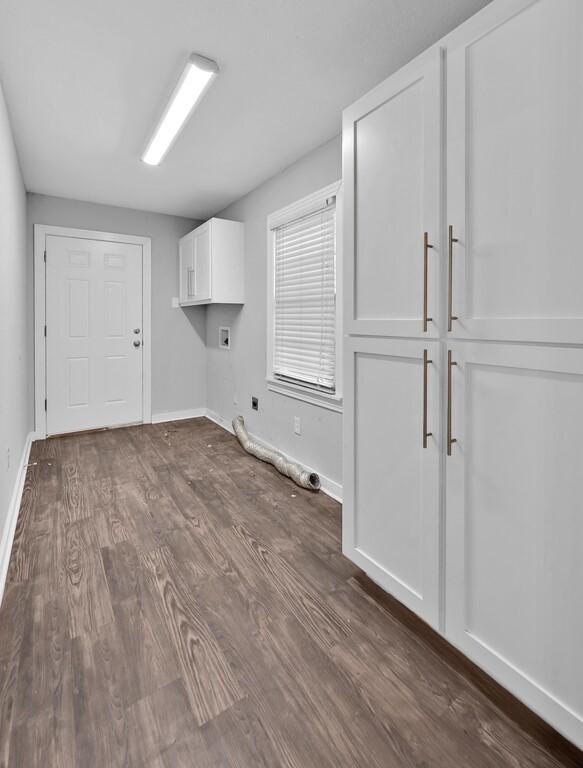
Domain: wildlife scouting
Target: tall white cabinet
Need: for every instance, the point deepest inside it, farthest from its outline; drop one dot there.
(464, 349)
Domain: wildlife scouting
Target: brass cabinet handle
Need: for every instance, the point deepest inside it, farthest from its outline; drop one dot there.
(426, 362)
(450, 316)
(450, 440)
(426, 246)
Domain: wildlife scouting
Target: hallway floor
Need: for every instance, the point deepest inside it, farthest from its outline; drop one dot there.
(171, 602)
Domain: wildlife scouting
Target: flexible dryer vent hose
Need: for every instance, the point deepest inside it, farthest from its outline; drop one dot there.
(289, 468)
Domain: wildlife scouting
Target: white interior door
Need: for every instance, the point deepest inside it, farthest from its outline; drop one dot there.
(391, 493)
(515, 164)
(515, 523)
(392, 181)
(94, 334)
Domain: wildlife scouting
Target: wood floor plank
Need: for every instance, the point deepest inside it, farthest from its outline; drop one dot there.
(285, 682)
(45, 653)
(190, 548)
(171, 602)
(240, 738)
(120, 563)
(154, 660)
(101, 734)
(74, 494)
(87, 592)
(159, 721)
(44, 717)
(303, 602)
(21, 556)
(190, 751)
(11, 638)
(138, 517)
(209, 682)
(104, 499)
(239, 617)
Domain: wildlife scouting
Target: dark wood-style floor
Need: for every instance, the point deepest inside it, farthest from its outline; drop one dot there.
(173, 602)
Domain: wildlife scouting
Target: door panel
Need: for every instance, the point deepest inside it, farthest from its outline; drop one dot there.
(392, 173)
(202, 262)
(93, 308)
(391, 506)
(514, 522)
(515, 121)
(186, 249)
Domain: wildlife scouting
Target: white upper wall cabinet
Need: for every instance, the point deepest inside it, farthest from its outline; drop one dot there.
(514, 128)
(392, 179)
(212, 268)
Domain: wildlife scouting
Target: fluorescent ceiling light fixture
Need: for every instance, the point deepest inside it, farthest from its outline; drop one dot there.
(194, 81)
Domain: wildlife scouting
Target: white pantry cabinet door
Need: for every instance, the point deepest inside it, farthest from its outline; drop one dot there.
(515, 165)
(391, 481)
(514, 571)
(392, 197)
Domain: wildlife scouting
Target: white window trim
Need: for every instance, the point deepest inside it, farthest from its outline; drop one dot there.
(303, 207)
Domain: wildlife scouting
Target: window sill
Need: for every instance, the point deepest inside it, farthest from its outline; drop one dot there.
(297, 392)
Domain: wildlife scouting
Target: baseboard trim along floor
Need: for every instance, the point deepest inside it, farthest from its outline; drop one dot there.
(12, 516)
(189, 413)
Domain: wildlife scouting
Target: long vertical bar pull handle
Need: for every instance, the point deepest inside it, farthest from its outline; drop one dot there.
(450, 440)
(450, 316)
(426, 246)
(426, 362)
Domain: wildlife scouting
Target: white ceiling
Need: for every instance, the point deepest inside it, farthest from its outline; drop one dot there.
(85, 82)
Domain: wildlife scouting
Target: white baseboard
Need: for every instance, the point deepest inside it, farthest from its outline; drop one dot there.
(330, 487)
(224, 423)
(7, 535)
(192, 413)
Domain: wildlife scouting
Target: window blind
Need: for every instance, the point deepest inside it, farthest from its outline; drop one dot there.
(305, 300)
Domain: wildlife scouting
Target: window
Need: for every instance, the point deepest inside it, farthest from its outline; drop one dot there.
(303, 325)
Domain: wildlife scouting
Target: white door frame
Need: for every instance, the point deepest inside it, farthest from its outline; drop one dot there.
(40, 364)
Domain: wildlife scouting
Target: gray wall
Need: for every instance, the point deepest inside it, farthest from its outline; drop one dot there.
(15, 412)
(240, 372)
(178, 335)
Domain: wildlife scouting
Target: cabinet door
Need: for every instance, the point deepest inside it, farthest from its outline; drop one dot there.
(202, 263)
(514, 591)
(391, 481)
(186, 262)
(392, 190)
(515, 164)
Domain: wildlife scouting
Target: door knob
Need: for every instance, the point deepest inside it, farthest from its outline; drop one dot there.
(137, 343)
(136, 330)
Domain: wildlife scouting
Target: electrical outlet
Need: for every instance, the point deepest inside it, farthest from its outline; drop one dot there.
(297, 425)
(175, 302)
(255, 403)
(8, 458)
